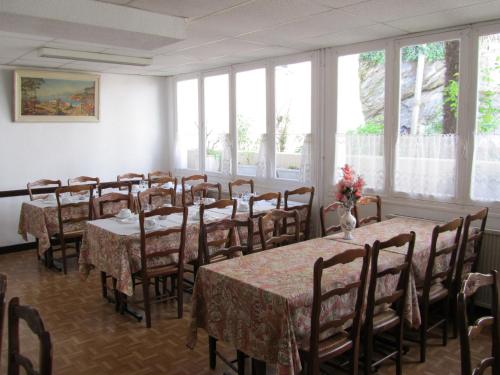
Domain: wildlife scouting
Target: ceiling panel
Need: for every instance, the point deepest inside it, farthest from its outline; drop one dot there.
(185, 8)
(339, 3)
(168, 61)
(17, 47)
(75, 46)
(256, 15)
(223, 48)
(42, 63)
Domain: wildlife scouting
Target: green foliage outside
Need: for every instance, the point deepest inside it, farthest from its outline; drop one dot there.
(451, 96)
(488, 115)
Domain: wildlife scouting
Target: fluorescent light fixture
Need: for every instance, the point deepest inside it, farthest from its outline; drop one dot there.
(67, 54)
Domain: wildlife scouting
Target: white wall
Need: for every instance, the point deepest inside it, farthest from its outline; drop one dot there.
(131, 136)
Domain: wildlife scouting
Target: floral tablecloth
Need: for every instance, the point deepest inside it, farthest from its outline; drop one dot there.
(261, 303)
(40, 219)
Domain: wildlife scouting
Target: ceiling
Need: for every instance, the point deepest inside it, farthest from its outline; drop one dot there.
(224, 32)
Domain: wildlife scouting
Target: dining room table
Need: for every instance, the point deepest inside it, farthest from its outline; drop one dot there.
(261, 304)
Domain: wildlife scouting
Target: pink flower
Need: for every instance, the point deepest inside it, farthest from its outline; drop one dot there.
(349, 188)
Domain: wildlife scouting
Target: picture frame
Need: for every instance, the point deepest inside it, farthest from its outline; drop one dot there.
(49, 96)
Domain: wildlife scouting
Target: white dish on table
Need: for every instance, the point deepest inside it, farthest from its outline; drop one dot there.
(124, 213)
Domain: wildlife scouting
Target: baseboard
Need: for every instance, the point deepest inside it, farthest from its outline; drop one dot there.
(17, 247)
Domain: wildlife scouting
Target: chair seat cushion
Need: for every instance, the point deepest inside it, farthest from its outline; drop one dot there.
(437, 292)
(333, 345)
(385, 320)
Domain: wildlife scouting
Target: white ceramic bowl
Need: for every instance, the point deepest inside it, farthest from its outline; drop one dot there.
(124, 213)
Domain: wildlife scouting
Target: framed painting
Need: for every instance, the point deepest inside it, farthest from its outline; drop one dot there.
(45, 96)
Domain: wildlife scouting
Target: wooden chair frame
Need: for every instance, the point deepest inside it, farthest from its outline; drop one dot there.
(33, 320)
(153, 192)
(312, 356)
(471, 284)
(157, 174)
(120, 185)
(366, 200)
(203, 189)
(323, 211)
(110, 198)
(172, 269)
(396, 299)
(83, 180)
(263, 197)
(305, 225)
(75, 189)
(160, 181)
(43, 182)
(431, 277)
(240, 182)
(280, 235)
(195, 177)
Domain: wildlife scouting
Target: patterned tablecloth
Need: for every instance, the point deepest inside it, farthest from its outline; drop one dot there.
(114, 247)
(40, 219)
(261, 303)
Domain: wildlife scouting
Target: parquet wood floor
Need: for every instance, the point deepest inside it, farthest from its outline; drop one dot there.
(90, 338)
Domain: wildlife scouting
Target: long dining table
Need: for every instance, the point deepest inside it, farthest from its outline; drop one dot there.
(261, 303)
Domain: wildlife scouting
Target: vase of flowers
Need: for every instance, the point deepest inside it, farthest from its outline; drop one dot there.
(349, 190)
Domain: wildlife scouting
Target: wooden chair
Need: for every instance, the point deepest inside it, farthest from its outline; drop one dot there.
(118, 185)
(324, 346)
(160, 181)
(83, 180)
(186, 196)
(389, 320)
(3, 290)
(364, 201)
(471, 284)
(437, 286)
(71, 223)
(240, 182)
(169, 259)
(323, 212)
(305, 224)
(44, 183)
(155, 197)
(255, 215)
(108, 205)
(157, 174)
(468, 255)
(274, 223)
(202, 189)
(130, 177)
(33, 320)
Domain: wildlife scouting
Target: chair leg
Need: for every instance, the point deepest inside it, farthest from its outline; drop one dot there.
(368, 354)
(399, 344)
(147, 302)
(63, 254)
(117, 295)
(104, 287)
(180, 299)
(212, 347)
(445, 322)
(240, 359)
(423, 337)
(157, 287)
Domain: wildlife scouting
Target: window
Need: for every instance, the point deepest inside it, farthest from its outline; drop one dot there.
(425, 162)
(216, 111)
(486, 165)
(359, 141)
(293, 121)
(251, 122)
(187, 145)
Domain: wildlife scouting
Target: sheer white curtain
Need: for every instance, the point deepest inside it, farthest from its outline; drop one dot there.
(261, 159)
(365, 154)
(426, 165)
(486, 169)
(226, 154)
(306, 160)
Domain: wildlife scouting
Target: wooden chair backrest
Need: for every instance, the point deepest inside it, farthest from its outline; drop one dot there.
(115, 202)
(450, 252)
(224, 244)
(33, 320)
(240, 182)
(83, 180)
(263, 197)
(466, 258)
(158, 174)
(364, 201)
(130, 177)
(195, 177)
(38, 183)
(148, 196)
(3, 291)
(398, 297)
(305, 225)
(120, 185)
(69, 217)
(203, 188)
(278, 230)
(323, 212)
(159, 181)
(165, 254)
(220, 204)
(471, 284)
(321, 295)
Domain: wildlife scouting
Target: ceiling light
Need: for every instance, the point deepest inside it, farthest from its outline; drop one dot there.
(107, 58)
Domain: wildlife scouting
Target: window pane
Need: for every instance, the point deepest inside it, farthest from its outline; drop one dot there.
(293, 121)
(359, 141)
(187, 124)
(216, 102)
(426, 146)
(251, 122)
(486, 169)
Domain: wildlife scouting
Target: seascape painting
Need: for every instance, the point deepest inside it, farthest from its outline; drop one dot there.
(52, 96)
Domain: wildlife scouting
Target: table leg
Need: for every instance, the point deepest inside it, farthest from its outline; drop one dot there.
(212, 354)
(258, 367)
